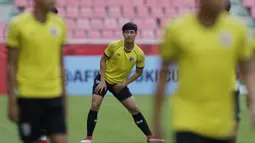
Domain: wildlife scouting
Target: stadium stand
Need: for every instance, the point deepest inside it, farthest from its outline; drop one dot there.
(97, 19)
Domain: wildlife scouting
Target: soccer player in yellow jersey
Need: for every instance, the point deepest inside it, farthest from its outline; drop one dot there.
(116, 64)
(36, 74)
(207, 46)
(43, 138)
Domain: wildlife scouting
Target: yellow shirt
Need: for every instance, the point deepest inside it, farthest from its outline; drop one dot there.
(206, 58)
(39, 73)
(121, 63)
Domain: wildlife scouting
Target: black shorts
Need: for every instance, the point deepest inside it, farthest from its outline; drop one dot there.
(38, 114)
(122, 95)
(189, 137)
(237, 105)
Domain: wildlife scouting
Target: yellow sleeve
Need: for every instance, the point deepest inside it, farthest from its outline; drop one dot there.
(109, 50)
(245, 49)
(140, 61)
(13, 35)
(168, 49)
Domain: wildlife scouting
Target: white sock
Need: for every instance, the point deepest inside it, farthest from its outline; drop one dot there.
(43, 138)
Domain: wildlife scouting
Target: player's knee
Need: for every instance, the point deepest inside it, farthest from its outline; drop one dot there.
(60, 138)
(95, 105)
(133, 110)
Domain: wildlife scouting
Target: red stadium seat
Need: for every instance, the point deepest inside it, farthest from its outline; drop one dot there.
(149, 24)
(61, 2)
(83, 24)
(151, 3)
(107, 34)
(93, 34)
(115, 12)
(110, 24)
(148, 34)
(86, 12)
(71, 25)
(142, 12)
(72, 12)
(128, 12)
(99, 3)
(99, 13)
(79, 34)
(157, 12)
(96, 24)
(86, 3)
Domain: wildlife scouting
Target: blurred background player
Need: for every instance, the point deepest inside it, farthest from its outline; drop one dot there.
(43, 138)
(236, 91)
(35, 69)
(207, 47)
(116, 64)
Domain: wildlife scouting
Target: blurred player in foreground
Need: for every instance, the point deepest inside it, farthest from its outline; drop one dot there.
(43, 138)
(35, 70)
(116, 64)
(207, 47)
(236, 91)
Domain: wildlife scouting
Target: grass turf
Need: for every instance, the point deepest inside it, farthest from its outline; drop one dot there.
(114, 122)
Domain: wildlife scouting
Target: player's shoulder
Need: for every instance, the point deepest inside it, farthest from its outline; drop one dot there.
(180, 21)
(21, 18)
(117, 43)
(56, 18)
(138, 50)
(234, 22)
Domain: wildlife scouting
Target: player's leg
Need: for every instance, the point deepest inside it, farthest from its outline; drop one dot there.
(97, 100)
(237, 115)
(55, 120)
(29, 120)
(127, 100)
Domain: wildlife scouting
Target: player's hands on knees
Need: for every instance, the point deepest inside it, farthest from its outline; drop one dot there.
(101, 87)
(13, 112)
(118, 87)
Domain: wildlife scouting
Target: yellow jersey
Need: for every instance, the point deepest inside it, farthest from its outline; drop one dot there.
(39, 71)
(121, 63)
(206, 58)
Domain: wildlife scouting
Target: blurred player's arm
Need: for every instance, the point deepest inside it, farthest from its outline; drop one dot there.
(139, 69)
(62, 65)
(247, 67)
(168, 52)
(13, 45)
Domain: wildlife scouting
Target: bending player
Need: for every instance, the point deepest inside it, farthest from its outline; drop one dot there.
(207, 46)
(36, 71)
(43, 138)
(116, 64)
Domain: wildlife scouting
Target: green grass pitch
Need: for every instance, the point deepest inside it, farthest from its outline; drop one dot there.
(114, 122)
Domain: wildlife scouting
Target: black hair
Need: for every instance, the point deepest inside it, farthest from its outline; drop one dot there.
(54, 10)
(228, 6)
(129, 26)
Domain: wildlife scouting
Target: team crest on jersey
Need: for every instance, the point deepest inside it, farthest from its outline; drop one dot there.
(226, 39)
(131, 59)
(54, 31)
